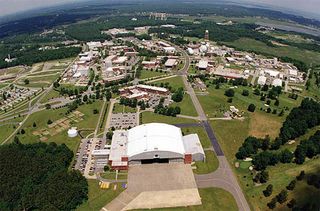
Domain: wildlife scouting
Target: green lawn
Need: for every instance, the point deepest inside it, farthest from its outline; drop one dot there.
(41, 118)
(213, 199)
(117, 108)
(151, 74)
(192, 69)
(149, 117)
(112, 175)
(231, 135)
(175, 82)
(6, 130)
(210, 165)
(97, 197)
(186, 106)
(49, 96)
(204, 139)
(215, 103)
(310, 57)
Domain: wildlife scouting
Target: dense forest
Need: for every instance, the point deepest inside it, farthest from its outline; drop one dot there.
(36, 177)
(300, 119)
(33, 55)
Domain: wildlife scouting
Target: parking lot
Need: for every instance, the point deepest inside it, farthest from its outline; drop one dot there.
(82, 155)
(124, 120)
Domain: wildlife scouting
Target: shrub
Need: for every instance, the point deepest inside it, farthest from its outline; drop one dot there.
(251, 107)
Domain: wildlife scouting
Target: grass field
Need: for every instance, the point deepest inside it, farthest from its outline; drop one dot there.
(97, 197)
(215, 103)
(112, 175)
(186, 106)
(210, 165)
(41, 118)
(149, 117)
(175, 82)
(150, 74)
(49, 96)
(213, 199)
(6, 130)
(231, 135)
(310, 57)
(117, 108)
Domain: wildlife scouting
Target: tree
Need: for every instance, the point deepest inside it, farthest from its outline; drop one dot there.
(286, 156)
(85, 98)
(273, 203)
(229, 93)
(268, 191)
(277, 102)
(95, 111)
(251, 107)
(34, 124)
(261, 177)
(282, 196)
(256, 92)
(301, 176)
(291, 185)
(230, 99)
(49, 122)
(22, 131)
(16, 140)
(245, 92)
(26, 81)
(46, 179)
(178, 95)
(106, 168)
(48, 106)
(292, 203)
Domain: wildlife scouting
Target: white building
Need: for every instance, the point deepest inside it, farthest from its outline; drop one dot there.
(170, 63)
(169, 50)
(262, 80)
(277, 82)
(154, 142)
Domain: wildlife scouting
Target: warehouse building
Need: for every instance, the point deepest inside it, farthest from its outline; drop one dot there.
(153, 143)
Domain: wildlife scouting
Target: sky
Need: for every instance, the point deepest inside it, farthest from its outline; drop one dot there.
(11, 6)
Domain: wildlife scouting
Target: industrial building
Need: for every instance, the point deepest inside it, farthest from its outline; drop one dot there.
(151, 143)
(142, 92)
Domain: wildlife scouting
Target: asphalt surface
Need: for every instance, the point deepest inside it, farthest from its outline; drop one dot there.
(223, 177)
(183, 125)
(213, 138)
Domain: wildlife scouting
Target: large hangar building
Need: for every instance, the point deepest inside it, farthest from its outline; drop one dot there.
(153, 143)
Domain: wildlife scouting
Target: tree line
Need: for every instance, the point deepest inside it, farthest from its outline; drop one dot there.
(36, 177)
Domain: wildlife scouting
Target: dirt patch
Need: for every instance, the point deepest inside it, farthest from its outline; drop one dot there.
(264, 124)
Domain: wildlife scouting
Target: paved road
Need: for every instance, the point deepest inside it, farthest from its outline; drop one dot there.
(223, 177)
(212, 138)
(183, 125)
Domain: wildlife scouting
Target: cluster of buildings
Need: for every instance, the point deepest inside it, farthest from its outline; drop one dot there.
(115, 66)
(229, 63)
(13, 95)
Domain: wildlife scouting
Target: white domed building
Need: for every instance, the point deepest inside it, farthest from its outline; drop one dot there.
(153, 143)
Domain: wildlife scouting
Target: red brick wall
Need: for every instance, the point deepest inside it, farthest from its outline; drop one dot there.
(188, 158)
(124, 159)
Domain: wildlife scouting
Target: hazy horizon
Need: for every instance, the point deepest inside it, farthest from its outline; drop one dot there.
(307, 6)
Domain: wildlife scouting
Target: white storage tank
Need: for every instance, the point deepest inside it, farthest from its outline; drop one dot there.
(72, 132)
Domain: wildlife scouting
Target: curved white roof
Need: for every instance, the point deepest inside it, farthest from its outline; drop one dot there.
(154, 137)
